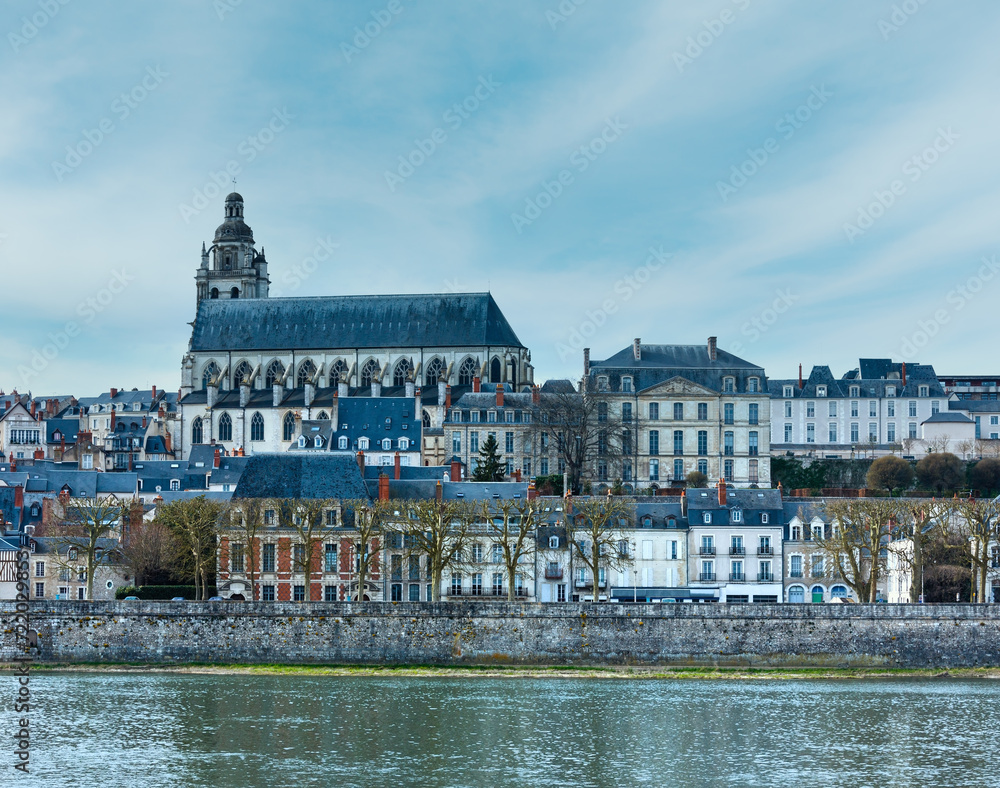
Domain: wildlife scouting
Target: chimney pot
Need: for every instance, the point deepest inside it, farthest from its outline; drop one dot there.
(218, 458)
(383, 487)
(800, 378)
(713, 348)
(476, 384)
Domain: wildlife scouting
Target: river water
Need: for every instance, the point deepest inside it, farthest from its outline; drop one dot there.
(134, 730)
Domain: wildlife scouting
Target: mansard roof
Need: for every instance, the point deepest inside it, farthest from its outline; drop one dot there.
(659, 363)
(375, 321)
(318, 475)
(872, 377)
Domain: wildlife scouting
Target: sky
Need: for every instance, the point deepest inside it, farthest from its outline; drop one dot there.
(809, 182)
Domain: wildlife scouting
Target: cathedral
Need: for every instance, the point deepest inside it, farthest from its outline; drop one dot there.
(258, 367)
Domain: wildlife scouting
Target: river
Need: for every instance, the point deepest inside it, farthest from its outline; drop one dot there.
(136, 730)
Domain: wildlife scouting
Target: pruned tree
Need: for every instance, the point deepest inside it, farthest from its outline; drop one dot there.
(195, 523)
(81, 527)
(304, 517)
(890, 473)
(512, 524)
(977, 521)
(598, 534)
(940, 471)
(437, 531)
(247, 523)
(917, 526)
(148, 549)
(489, 467)
(967, 447)
(938, 444)
(856, 543)
(369, 525)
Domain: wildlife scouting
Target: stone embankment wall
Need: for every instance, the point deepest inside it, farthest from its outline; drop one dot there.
(911, 636)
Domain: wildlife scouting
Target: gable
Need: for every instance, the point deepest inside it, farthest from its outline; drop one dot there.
(678, 386)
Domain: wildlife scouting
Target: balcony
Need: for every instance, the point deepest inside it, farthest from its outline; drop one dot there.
(818, 573)
(706, 577)
(765, 577)
(485, 593)
(795, 573)
(706, 550)
(590, 584)
(762, 550)
(553, 573)
(737, 577)
(737, 550)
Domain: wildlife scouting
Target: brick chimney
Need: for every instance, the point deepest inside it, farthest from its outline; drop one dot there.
(713, 348)
(517, 474)
(39, 454)
(536, 395)
(438, 491)
(800, 377)
(684, 503)
(722, 492)
(167, 441)
(154, 392)
(114, 417)
(144, 423)
(383, 487)
(781, 490)
(477, 384)
(447, 397)
(904, 374)
(216, 461)
(586, 361)
(456, 471)
(361, 462)
(637, 349)
(114, 393)
(395, 467)
(532, 492)
(18, 493)
(32, 409)
(499, 395)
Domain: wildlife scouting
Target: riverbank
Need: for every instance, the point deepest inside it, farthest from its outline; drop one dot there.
(530, 672)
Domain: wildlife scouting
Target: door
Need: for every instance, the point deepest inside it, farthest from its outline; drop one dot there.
(817, 595)
(796, 595)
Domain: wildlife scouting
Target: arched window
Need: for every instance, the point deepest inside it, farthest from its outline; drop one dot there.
(435, 369)
(425, 419)
(234, 293)
(369, 372)
(243, 372)
(225, 427)
(275, 372)
(467, 372)
(338, 372)
(288, 426)
(257, 427)
(323, 416)
(229, 260)
(211, 373)
(495, 371)
(306, 372)
(197, 433)
(402, 372)
(214, 293)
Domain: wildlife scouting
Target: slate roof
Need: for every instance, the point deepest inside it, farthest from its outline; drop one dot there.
(659, 363)
(159, 473)
(872, 376)
(45, 476)
(375, 321)
(975, 405)
(11, 514)
(431, 473)
(751, 502)
(561, 386)
(947, 417)
(301, 476)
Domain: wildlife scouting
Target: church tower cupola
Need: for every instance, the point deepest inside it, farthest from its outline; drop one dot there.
(231, 267)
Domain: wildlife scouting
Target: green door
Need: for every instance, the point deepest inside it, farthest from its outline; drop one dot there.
(817, 594)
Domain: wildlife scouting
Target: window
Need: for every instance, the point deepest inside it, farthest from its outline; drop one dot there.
(678, 470)
(923, 391)
(703, 467)
(833, 432)
(821, 391)
(854, 432)
(833, 408)
(396, 592)
(754, 414)
(753, 385)
(299, 593)
(727, 444)
(788, 433)
(873, 431)
(257, 427)
(508, 442)
(654, 470)
(890, 432)
(331, 518)
(706, 518)
(386, 444)
(275, 372)
(678, 411)
(330, 557)
(329, 593)
(626, 384)
(197, 436)
(817, 566)
(854, 391)
(810, 410)
(707, 574)
(764, 518)
(795, 566)
(267, 593)
(786, 392)
(401, 372)
(267, 558)
(729, 385)
(654, 411)
(810, 433)
(728, 411)
(788, 410)
(456, 443)
(602, 412)
(728, 470)
(702, 411)
(288, 426)
(39, 589)
(912, 430)
(456, 584)
(935, 407)
(626, 411)
(702, 441)
(736, 516)
(602, 383)
(654, 442)
(754, 447)
(678, 442)
(553, 542)
(872, 409)
(497, 584)
(854, 409)
(369, 372)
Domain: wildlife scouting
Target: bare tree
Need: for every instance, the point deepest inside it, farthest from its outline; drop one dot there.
(369, 525)
(597, 530)
(81, 526)
(303, 516)
(966, 447)
(438, 531)
(938, 443)
(247, 523)
(915, 529)
(909, 444)
(977, 521)
(148, 548)
(195, 522)
(856, 542)
(512, 525)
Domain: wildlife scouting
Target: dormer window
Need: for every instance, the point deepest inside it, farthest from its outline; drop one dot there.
(602, 383)
(707, 518)
(821, 391)
(736, 516)
(729, 385)
(318, 442)
(31, 546)
(753, 385)
(855, 391)
(342, 442)
(627, 384)
(787, 392)
(302, 441)
(890, 391)
(404, 444)
(363, 444)
(924, 391)
(764, 518)
(553, 542)
(175, 484)
(386, 444)
(491, 417)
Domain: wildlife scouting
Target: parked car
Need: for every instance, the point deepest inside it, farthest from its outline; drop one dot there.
(215, 599)
(131, 599)
(177, 599)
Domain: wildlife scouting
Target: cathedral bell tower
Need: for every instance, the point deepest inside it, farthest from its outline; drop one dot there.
(231, 267)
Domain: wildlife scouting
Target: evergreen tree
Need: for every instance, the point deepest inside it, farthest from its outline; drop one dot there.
(490, 468)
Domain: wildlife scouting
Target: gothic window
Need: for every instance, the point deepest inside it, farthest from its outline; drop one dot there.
(467, 372)
(369, 372)
(225, 427)
(401, 372)
(495, 371)
(243, 372)
(306, 372)
(197, 433)
(435, 369)
(274, 373)
(323, 416)
(211, 373)
(288, 426)
(425, 419)
(257, 427)
(338, 373)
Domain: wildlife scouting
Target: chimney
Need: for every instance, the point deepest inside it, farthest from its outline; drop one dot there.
(13, 465)
(586, 361)
(383, 487)
(438, 491)
(904, 374)
(637, 349)
(244, 393)
(167, 441)
(376, 388)
(275, 395)
(712, 349)
(310, 393)
(447, 397)
(18, 496)
(154, 392)
(476, 384)
(532, 492)
(114, 417)
(800, 377)
(144, 423)
(341, 388)
(781, 490)
(114, 393)
(163, 411)
(722, 492)
(456, 471)
(517, 475)
(361, 462)
(536, 395)
(395, 467)
(32, 409)
(212, 392)
(218, 458)
(409, 387)
(684, 503)
(499, 395)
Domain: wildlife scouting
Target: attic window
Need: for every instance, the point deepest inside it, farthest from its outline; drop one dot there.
(459, 495)
(172, 465)
(199, 465)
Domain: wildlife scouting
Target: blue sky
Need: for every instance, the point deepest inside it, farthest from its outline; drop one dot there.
(810, 182)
